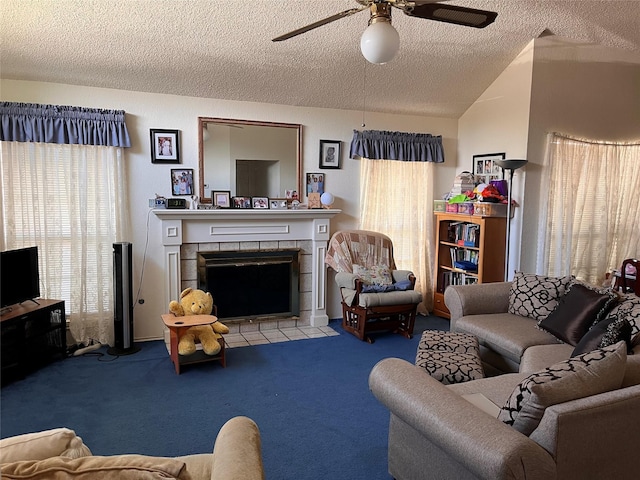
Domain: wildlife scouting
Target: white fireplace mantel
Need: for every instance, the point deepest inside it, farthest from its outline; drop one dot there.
(237, 225)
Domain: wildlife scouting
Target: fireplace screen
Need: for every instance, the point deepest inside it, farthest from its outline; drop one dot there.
(250, 284)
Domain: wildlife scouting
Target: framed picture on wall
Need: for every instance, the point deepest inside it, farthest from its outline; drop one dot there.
(181, 181)
(485, 168)
(165, 146)
(330, 153)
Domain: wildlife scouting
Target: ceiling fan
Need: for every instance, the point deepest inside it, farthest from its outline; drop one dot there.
(380, 41)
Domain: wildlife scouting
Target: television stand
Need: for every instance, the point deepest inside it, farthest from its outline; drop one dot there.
(32, 336)
(30, 300)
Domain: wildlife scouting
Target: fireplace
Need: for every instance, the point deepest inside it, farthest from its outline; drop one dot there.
(252, 284)
(184, 233)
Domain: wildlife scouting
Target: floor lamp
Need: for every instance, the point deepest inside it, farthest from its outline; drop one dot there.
(510, 165)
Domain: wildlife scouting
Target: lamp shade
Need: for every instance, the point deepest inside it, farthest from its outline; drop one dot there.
(511, 164)
(380, 42)
(327, 199)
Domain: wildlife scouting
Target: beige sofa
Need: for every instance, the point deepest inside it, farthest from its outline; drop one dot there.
(435, 432)
(61, 454)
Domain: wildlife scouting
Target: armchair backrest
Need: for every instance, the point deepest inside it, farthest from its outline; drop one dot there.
(359, 247)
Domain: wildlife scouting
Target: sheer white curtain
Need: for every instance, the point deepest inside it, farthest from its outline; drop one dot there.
(70, 201)
(590, 218)
(395, 199)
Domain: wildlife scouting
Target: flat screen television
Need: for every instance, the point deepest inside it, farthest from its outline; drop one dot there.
(20, 276)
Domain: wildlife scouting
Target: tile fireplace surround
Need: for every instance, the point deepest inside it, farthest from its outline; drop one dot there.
(186, 232)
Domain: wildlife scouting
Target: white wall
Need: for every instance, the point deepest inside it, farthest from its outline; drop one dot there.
(146, 111)
(553, 86)
(583, 90)
(498, 122)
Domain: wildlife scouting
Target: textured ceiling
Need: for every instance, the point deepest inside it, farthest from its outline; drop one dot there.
(223, 49)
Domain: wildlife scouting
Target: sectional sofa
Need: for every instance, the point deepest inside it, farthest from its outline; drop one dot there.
(545, 410)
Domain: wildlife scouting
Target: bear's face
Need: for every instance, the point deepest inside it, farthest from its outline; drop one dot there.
(197, 302)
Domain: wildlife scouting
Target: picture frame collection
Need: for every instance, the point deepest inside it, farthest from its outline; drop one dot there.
(165, 149)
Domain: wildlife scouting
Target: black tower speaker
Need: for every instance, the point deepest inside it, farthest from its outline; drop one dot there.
(123, 296)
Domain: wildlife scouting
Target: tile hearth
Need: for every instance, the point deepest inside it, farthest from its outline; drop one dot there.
(277, 335)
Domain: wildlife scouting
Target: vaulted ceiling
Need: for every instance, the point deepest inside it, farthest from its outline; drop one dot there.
(223, 49)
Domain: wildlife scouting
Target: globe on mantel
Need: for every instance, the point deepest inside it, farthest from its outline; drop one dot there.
(327, 199)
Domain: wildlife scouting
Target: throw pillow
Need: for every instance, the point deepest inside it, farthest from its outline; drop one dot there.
(588, 374)
(535, 296)
(604, 333)
(577, 311)
(628, 307)
(122, 467)
(41, 445)
(377, 274)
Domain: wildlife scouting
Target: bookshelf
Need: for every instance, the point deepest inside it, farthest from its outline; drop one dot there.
(469, 249)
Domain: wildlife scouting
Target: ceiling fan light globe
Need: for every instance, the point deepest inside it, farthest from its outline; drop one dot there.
(380, 42)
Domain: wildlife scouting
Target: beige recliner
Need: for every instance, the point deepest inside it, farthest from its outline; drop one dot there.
(41, 455)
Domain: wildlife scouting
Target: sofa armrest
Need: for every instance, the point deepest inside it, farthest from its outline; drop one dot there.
(481, 298)
(237, 451)
(482, 444)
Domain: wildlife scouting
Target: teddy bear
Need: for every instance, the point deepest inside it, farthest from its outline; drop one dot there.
(197, 302)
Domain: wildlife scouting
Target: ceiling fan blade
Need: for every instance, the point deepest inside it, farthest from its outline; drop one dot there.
(469, 17)
(320, 23)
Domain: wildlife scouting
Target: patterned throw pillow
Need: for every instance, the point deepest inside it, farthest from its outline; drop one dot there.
(577, 311)
(588, 374)
(376, 275)
(535, 296)
(628, 308)
(604, 333)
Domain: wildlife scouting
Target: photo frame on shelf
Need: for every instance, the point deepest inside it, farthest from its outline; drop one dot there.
(241, 202)
(259, 202)
(315, 183)
(330, 152)
(485, 167)
(182, 181)
(165, 146)
(221, 198)
(278, 203)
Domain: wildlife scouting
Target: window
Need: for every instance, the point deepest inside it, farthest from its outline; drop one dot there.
(70, 201)
(591, 216)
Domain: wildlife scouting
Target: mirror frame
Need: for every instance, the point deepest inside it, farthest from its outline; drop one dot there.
(202, 121)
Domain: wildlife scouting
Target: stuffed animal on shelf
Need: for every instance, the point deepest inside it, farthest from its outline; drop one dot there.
(197, 302)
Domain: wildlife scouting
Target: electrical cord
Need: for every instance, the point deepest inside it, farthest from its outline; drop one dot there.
(144, 259)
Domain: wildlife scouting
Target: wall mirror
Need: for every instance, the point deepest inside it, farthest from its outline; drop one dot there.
(248, 158)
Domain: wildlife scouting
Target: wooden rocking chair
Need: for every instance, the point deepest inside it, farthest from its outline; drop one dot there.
(375, 295)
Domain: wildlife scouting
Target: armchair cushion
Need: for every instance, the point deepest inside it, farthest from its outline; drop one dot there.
(588, 374)
(117, 467)
(40, 445)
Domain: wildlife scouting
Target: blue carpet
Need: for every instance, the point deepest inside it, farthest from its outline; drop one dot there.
(310, 399)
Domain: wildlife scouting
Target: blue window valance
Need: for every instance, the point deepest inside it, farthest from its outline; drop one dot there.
(408, 147)
(30, 122)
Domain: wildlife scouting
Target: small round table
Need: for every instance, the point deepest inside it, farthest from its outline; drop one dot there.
(177, 327)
